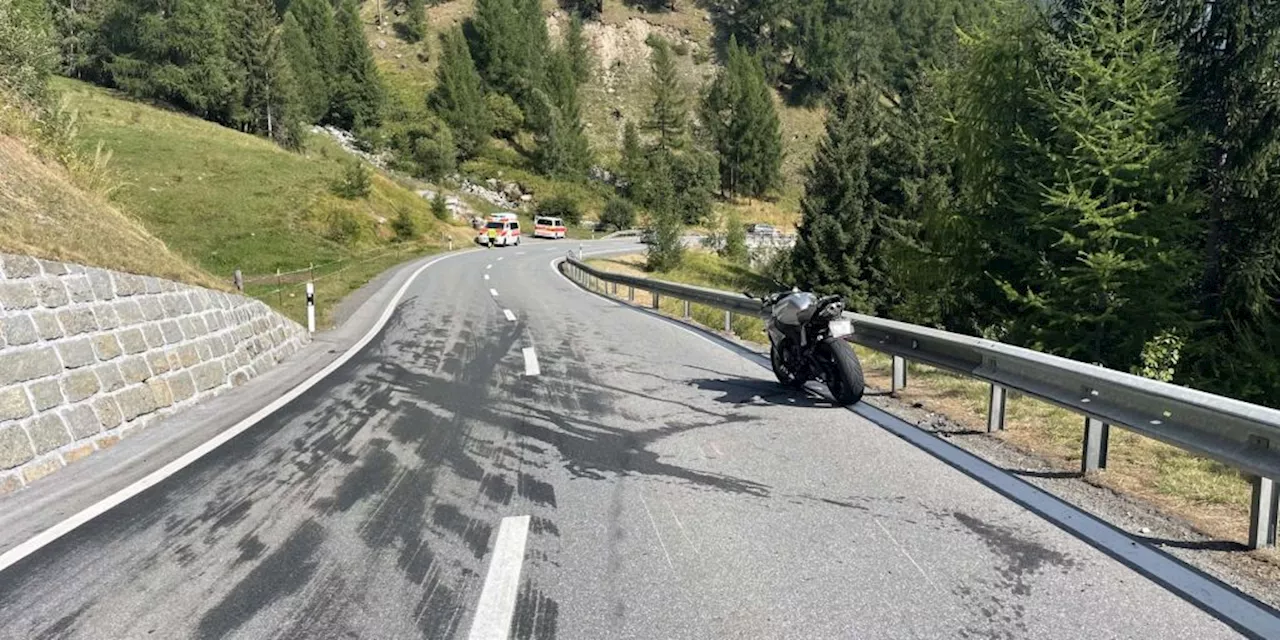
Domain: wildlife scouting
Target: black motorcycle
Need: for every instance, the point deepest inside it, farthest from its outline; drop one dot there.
(806, 335)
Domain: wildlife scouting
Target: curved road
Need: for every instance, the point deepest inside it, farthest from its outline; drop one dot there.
(672, 490)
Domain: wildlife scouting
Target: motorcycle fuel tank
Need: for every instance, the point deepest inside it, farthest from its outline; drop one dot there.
(795, 309)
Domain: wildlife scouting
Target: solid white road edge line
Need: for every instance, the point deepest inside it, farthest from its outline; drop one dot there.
(493, 292)
(531, 362)
(40, 540)
(497, 604)
(511, 317)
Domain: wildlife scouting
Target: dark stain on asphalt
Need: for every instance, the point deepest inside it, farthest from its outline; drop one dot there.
(372, 476)
(497, 489)
(250, 548)
(63, 627)
(847, 505)
(281, 573)
(537, 491)
(475, 533)
(233, 515)
(540, 525)
(536, 615)
(1021, 557)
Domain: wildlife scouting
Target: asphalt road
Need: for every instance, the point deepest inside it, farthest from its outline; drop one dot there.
(672, 489)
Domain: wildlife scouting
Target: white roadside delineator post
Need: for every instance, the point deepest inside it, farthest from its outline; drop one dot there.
(311, 307)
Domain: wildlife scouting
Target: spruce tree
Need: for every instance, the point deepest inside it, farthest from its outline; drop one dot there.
(510, 47)
(316, 17)
(668, 113)
(735, 239)
(1227, 55)
(358, 94)
(666, 250)
(831, 251)
(740, 116)
(576, 45)
(307, 74)
(414, 26)
(1110, 268)
(174, 54)
(631, 165)
(557, 122)
(267, 92)
(459, 97)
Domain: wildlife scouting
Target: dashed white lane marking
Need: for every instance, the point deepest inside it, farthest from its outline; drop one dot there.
(486, 276)
(497, 603)
(500, 259)
(511, 317)
(488, 266)
(531, 362)
(493, 292)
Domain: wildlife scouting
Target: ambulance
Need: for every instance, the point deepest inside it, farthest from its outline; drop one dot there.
(500, 230)
(549, 228)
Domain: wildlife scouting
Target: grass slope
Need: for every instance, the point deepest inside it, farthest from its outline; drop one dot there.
(224, 200)
(228, 201)
(44, 213)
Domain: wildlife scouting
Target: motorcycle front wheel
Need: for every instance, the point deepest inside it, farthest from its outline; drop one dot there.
(785, 375)
(845, 380)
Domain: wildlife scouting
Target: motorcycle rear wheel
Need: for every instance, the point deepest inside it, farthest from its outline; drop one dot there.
(785, 376)
(846, 381)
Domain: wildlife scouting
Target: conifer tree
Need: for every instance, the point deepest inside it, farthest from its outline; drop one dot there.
(266, 89)
(358, 93)
(740, 116)
(575, 44)
(459, 97)
(668, 113)
(415, 21)
(837, 228)
(308, 76)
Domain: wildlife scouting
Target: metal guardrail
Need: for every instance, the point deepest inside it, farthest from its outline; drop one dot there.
(1241, 435)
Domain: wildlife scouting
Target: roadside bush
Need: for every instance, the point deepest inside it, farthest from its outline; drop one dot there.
(356, 181)
(425, 148)
(404, 225)
(505, 115)
(562, 207)
(618, 214)
(681, 48)
(439, 207)
(344, 228)
(735, 240)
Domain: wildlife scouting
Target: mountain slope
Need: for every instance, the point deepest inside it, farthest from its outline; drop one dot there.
(226, 200)
(45, 214)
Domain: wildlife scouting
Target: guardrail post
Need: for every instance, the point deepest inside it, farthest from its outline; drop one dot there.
(728, 322)
(1262, 513)
(615, 288)
(1096, 435)
(655, 298)
(899, 373)
(687, 310)
(631, 293)
(996, 408)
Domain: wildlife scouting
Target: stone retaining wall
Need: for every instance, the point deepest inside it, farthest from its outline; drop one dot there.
(88, 355)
